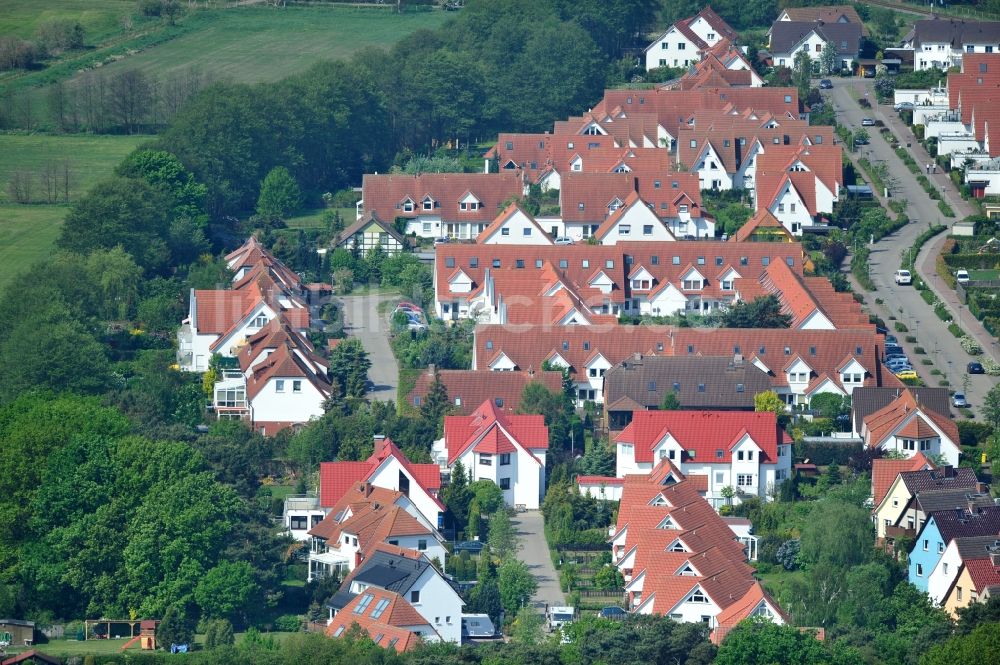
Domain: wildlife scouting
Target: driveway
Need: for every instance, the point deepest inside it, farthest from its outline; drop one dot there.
(535, 553)
(904, 302)
(362, 320)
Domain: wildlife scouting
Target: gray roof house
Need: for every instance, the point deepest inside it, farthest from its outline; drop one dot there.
(790, 37)
(720, 383)
(941, 42)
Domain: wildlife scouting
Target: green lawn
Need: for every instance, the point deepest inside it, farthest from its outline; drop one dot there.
(91, 158)
(984, 274)
(67, 648)
(252, 44)
(28, 231)
(99, 18)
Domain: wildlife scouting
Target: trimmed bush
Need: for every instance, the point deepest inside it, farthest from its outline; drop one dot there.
(971, 346)
(919, 350)
(900, 327)
(911, 339)
(824, 454)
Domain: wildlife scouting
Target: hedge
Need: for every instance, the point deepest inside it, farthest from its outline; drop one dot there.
(823, 454)
(973, 261)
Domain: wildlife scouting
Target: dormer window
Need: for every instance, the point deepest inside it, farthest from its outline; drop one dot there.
(407, 205)
(428, 204)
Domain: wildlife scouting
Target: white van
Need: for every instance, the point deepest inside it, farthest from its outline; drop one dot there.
(560, 616)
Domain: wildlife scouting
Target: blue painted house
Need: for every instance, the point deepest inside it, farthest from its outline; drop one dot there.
(951, 514)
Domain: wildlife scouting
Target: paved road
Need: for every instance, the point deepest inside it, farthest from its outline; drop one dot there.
(904, 302)
(362, 320)
(535, 553)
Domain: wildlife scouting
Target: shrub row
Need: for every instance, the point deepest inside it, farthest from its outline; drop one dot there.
(823, 454)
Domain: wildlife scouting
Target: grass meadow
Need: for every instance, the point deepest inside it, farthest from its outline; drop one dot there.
(27, 231)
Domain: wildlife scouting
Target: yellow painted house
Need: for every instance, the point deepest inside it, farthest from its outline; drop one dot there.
(978, 580)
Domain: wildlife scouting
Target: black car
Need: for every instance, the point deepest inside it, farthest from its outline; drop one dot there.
(826, 84)
(975, 368)
(612, 613)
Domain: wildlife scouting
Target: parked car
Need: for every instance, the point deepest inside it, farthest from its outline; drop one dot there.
(896, 357)
(904, 106)
(406, 304)
(860, 140)
(416, 325)
(825, 84)
(612, 612)
(962, 277)
(906, 374)
(891, 339)
(958, 401)
(560, 616)
(563, 240)
(903, 277)
(892, 349)
(443, 240)
(867, 122)
(897, 362)
(975, 368)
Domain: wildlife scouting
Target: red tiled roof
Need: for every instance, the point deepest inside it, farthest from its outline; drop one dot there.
(473, 387)
(384, 194)
(285, 363)
(707, 433)
(502, 219)
(984, 573)
(462, 432)
(599, 480)
(337, 477)
(885, 471)
(674, 107)
(762, 219)
(824, 350)
(881, 424)
(742, 609)
(390, 628)
(593, 197)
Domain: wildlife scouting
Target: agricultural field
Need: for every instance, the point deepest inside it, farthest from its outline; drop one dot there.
(27, 231)
(100, 19)
(252, 44)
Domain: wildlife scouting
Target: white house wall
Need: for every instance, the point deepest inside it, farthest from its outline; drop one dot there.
(269, 405)
(671, 50)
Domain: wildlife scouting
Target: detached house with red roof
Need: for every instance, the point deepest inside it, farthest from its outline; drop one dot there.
(506, 448)
(367, 516)
(395, 580)
(908, 427)
(681, 559)
(978, 569)
(387, 468)
(747, 452)
(683, 42)
(388, 619)
(219, 321)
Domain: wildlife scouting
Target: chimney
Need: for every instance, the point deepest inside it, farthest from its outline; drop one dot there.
(431, 369)
(737, 359)
(949, 472)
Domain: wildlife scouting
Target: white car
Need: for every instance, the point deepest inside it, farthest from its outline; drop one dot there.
(903, 277)
(962, 277)
(867, 122)
(563, 240)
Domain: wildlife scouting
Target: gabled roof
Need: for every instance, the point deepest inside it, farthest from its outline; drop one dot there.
(497, 428)
(383, 194)
(368, 219)
(786, 35)
(948, 477)
(473, 387)
(885, 471)
(763, 224)
(501, 219)
(285, 363)
(728, 383)
(335, 478)
(867, 400)
(391, 628)
(823, 349)
(710, 435)
(827, 14)
(960, 499)
(885, 422)
(960, 523)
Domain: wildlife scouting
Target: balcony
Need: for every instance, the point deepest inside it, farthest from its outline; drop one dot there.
(895, 532)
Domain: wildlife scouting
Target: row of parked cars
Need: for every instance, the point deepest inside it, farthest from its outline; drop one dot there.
(414, 315)
(895, 359)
